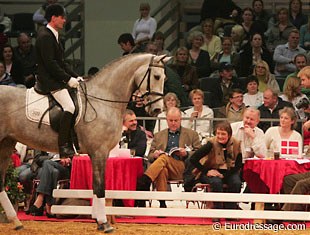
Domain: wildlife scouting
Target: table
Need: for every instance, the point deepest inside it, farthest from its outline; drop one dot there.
(266, 176)
(121, 174)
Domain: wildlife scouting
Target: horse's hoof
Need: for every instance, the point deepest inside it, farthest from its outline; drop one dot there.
(105, 227)
(19, 227)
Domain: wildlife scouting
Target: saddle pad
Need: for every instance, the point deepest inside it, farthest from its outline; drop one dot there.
(36, 105)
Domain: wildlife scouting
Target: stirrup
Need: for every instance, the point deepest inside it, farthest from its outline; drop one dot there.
(66, 151)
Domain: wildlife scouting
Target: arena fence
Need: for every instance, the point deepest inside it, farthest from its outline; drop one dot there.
(259, 199)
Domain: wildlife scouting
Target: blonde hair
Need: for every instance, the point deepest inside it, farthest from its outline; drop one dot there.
(196, 92)
(171, 95)
(238, 29)
(291, 89)
(193, 35)
(291, 113)
(266, 66)
(304, 72)
(178, 51)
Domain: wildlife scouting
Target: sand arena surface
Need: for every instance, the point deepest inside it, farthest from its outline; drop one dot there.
(76, 228)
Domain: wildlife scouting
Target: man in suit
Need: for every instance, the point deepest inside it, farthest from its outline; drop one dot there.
(166, 167)
(54, 75)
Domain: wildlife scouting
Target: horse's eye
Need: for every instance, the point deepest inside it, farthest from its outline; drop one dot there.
(157, 77)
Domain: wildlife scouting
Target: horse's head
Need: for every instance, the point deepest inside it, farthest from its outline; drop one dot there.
(151, 83)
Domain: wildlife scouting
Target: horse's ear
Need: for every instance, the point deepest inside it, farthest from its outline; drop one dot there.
(163, 58)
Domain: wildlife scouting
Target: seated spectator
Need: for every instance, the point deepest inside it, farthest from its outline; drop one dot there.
(304, 40)
(52, 170)
(187, 72)
(296, 17)
(284, 138)
(271, 107)
(5, 78)
(211, 43)
(247, 22)
(223, 85)
(135, 137)
(227, 54)
(300, 61)
(223, 12)
(128, 44)
(235, 108)
(260, 14)
(170, 100)
(159, 39)
(167, 167)
(254, 51)
(13, 67)
(222, 161)
(144, 27)
(251, 137)
(253, 97)
(296, 184)
(292, 93)
(265, 78)
(284, 54)
(203, 127)
(198, 57)
(238, 37)
(278, 33)
(25, 53)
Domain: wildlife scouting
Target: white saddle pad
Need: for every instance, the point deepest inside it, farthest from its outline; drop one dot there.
(37, 104)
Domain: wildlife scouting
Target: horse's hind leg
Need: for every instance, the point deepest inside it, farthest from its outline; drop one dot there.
(98, 208)
(6, 148)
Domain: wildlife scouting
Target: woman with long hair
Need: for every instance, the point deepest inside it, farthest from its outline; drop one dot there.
(265, 77)
(284, 138)
(145, 26)
(296, 16)
(13, 67)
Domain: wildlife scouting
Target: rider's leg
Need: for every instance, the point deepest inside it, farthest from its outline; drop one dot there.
(64, 142)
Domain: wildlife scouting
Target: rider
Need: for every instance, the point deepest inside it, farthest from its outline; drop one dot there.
(54, 75)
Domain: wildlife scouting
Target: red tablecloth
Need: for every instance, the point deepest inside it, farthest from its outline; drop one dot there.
(121, 174)
(266, 176)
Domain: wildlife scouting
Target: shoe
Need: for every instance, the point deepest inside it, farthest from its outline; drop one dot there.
(162, 204)
(105, 227)
(35, 211)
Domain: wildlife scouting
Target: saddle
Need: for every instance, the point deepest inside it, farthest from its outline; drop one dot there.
(44, 109)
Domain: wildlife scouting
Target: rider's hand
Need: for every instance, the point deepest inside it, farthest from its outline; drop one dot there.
(80, 79)
(73, 82)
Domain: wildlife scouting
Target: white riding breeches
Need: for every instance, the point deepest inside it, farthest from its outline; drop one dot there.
(63, 98)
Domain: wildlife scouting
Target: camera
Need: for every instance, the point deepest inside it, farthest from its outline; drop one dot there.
(303, 103)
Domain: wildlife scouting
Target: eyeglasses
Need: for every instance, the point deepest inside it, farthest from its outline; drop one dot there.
(238, 97)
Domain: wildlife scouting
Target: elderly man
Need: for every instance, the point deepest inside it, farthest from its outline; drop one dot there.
(25, 53)
(252, 138)
(270, 108)
(135, 137)
(284, 54)
(168, 167)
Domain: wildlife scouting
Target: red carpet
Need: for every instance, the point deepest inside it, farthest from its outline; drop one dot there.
(137, 220)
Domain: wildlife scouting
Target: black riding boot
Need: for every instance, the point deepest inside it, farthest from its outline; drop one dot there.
(64, 142)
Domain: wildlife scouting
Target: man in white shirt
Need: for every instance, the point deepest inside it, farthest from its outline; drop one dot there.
(252, 138)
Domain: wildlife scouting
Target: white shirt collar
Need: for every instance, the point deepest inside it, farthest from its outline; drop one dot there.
(54, 31)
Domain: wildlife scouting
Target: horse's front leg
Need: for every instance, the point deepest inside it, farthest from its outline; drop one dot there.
(98, 208)
(6, 149)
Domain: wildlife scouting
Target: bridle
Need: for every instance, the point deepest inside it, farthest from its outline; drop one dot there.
(148, 92)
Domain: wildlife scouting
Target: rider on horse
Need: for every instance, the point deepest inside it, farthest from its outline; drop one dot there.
(54, 75)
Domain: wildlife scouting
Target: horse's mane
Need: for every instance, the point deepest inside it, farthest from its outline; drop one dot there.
(115, 61)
